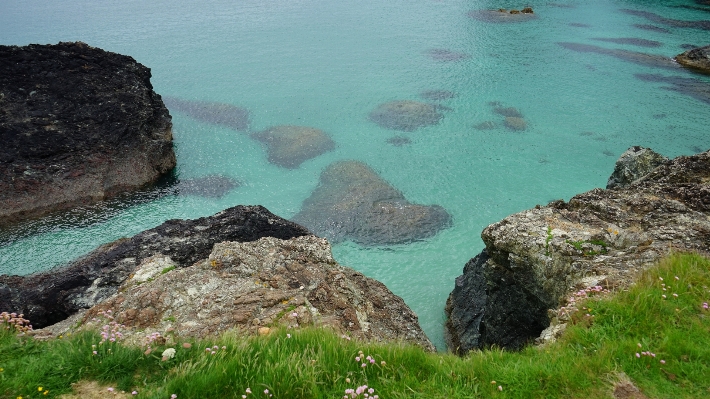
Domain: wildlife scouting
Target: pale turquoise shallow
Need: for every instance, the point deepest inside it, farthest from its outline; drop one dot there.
(327, 64)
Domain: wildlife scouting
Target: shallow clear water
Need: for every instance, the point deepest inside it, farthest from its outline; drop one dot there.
(327, 64)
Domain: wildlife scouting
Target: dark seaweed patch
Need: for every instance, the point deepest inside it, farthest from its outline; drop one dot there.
(651, 28)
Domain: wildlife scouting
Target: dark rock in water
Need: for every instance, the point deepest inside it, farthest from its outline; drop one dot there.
(652, 28)
(49, 297)
(608, 153)
(579, 25)
(487, 125)
(633, 164)
(676, 23)
(214, 113)
(500, 16)
(508, 111)
(697, 59)
(651, 60)
(399, 141)
(437, 95)
(534, 261)
(213, 186)
(405, 115)
(600, 138)
(77, 125)
(515, 123)
(439, 54)
(353, 203)
(634, 41)
(290, 146)
(695, 88)
(688, 46)
(696, 149)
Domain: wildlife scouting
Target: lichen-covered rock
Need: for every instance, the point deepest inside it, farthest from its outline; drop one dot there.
(697, 59)
(290, 146)
(255, 286)
(535, 259)
(633, 164)
(405, 115)
(49, 297)
(353, 203)
(77, 125)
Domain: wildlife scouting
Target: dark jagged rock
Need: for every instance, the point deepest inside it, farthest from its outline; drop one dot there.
(77, 125)
(633, 164)
(49, 297)
(652, 28)
(634, 41)
(405, 115)
(501, 16)
(697, 59)
(215, 113)
(534, 260)
(440, 54)
(212, 186)
(353, 203)
(676, 23)
(651, 60)
(695, 88)
(290, 146)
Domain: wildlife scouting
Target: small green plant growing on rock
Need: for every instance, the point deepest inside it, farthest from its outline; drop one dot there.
(579, 246)
(547, 241)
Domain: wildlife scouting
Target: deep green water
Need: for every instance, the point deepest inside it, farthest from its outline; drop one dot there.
(327, 64)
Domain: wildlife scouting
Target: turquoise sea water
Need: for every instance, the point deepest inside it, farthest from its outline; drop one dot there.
(327, 64)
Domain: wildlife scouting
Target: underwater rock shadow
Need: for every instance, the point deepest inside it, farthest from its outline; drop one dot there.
(437, 95)
(676, 23)
(634, 41)
(651, 28)
(399, 141)
(214, 113)
(353, 203)
(210, 186)
(694, 88)
(406, 115)
(651, 60)
(289, 146)
(444, 55)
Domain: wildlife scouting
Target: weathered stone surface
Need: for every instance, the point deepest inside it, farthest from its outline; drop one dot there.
(405, 115)
(77, 124)
(215, 113)
(254, 286)
(633, 164)
(535, 259)
(697, 59)
(290, 146)
(49, 297)
(353, 203)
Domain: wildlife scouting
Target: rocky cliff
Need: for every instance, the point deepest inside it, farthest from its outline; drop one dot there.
(534, 260)
(77, 124)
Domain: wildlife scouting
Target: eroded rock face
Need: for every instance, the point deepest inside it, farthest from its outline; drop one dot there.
(405, 115)
(289, 146)
(259, 284)
(697, 59)
(633, 164)
(353, 203)
(49, 297)
(535, 259)
(77, 125)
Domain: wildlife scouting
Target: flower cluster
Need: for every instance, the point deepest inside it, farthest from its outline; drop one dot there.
(111, 330)
(647, 353)
(360, 358)
(363, 390)
(168, 354)
(15, 322)
(248, 392)
(580, 295)
(213, 350)
(154, 338)
(705, 305)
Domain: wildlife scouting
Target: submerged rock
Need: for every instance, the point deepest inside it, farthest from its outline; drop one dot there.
(635, 41)
(676, 23)
(437, 95)
(250, 285)
(501, 16)
(405, 115)
(697, 59)
(399, 141)
(633, 164)
(440, 54)
(508, 111)
(652, 28)
(515, 123)
(534, 260)
(214, 113)
(487, 125)
(49, 297)
(290, 146)
(695, 88)
(353, 203)
(77, 125)
(651, 60)
(212, 186)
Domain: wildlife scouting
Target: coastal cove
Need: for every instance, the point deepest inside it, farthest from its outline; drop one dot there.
(329, 66)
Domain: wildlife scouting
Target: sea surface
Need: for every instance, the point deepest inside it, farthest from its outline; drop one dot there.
(327, 64)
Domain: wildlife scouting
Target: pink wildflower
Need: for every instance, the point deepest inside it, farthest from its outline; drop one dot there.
(134, 393)
(663, 361)
(500, 388)
(638, 355)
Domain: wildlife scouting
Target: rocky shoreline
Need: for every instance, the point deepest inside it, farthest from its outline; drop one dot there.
(78, 124)
(536, 259)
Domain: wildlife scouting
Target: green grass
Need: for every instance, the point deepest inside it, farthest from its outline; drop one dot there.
(315, 363)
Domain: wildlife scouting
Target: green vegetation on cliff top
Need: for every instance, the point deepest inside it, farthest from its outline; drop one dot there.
(661, 344)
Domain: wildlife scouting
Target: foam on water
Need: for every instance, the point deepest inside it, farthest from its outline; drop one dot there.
(329, 64)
